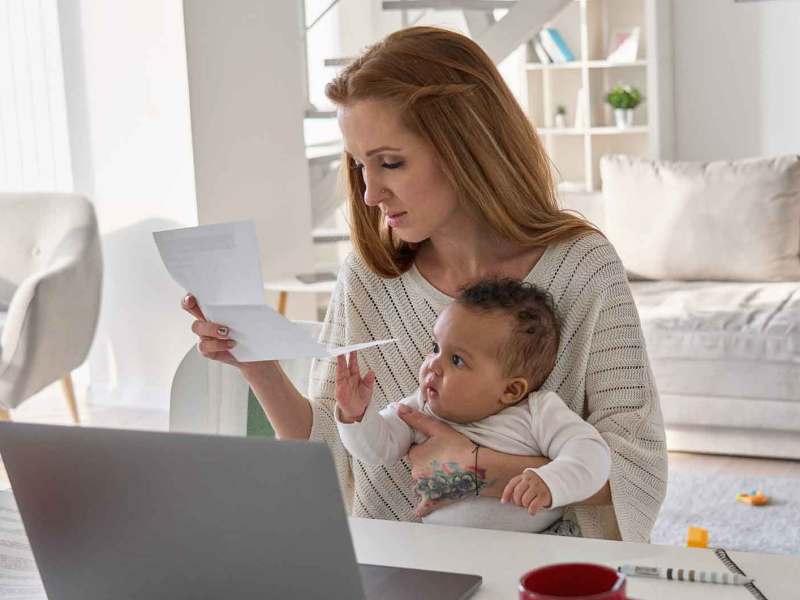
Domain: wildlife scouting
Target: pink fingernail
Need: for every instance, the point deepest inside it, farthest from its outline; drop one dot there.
(222, 330)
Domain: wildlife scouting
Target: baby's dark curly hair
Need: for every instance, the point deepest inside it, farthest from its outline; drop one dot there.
(533, 345)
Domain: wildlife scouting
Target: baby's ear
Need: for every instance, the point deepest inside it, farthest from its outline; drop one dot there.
(516, 390)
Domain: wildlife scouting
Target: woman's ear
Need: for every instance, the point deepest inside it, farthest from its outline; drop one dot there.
(516, 390)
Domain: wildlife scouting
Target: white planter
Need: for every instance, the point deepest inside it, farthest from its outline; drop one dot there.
(623, 117)
(560, 121)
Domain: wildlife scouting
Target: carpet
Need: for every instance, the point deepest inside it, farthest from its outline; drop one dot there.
(709, 501)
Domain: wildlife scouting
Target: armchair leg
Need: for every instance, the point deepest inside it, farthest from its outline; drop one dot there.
(69, 392)
(5, 414)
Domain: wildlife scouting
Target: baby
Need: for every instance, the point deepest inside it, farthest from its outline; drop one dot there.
(492, 350)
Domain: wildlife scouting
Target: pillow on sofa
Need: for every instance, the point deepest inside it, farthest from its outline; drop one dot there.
(726, 220)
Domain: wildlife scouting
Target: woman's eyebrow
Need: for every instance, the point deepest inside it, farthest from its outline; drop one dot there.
(382, 149)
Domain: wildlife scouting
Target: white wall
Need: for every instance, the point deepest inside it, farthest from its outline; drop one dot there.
(737, 78)
(245, 64)
(128, 111)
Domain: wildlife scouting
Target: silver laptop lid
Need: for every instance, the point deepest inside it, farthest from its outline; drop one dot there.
(130, 514)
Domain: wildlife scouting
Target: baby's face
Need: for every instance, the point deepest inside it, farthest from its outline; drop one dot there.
(462, 379)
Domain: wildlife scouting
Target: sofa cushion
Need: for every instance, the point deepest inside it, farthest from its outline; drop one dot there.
(735, 221)
(735, 340)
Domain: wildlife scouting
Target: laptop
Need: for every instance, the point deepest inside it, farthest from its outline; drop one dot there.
(120, 514)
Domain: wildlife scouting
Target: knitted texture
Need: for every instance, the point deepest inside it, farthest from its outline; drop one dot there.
(602, 373)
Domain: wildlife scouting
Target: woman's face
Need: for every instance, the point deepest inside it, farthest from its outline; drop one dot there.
(400, 171)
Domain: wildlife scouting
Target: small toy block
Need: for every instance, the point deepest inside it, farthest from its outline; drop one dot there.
(697, 537)
(754, 498)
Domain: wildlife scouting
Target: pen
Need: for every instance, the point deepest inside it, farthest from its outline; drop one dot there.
(686, 575)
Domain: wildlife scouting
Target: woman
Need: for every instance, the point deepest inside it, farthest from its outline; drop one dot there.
(449, 183)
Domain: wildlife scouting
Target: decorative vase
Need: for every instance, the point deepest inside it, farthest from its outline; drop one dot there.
(623, 117)
(560, 121)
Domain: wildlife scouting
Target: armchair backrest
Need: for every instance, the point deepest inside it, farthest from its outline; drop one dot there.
(37, 229)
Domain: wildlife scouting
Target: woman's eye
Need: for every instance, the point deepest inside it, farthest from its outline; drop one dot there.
(395, 165)
(356, 166)
(435, 348)
(458, 361)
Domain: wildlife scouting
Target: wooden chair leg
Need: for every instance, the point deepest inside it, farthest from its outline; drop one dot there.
(5, 414)
(282, 297)
(69, 392)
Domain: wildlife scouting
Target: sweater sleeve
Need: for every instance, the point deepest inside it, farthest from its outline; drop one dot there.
(580, 457)
(322, 383)
(622, 404)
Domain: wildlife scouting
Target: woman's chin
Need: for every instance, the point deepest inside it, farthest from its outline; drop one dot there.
(408, 236)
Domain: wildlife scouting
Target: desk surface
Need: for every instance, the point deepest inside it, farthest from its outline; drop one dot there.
(502, 557)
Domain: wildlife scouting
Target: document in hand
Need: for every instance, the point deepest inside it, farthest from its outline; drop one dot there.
(219, 264)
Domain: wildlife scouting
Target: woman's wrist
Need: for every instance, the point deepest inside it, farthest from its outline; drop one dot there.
(499, 468)
(288, 411)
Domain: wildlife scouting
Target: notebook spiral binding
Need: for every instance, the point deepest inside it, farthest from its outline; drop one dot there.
(726, 560)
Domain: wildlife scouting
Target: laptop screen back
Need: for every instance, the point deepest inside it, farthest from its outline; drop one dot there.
(125, 514)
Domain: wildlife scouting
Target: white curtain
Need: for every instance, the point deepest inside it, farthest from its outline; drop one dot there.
(34, 147)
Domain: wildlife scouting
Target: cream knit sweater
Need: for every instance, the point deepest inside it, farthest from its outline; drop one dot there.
(602, 373)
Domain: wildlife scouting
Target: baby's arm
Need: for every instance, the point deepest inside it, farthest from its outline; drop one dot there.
(379, 438)
(580, 458)
(372, 437)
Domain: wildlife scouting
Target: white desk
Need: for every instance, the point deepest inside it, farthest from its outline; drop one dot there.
(502, 557)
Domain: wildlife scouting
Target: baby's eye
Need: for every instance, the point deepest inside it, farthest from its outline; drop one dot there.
(458, 361)
(435, 348)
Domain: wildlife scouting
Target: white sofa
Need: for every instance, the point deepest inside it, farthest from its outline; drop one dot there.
(712, 254)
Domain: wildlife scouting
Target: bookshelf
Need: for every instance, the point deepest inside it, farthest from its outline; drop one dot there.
(587, 26)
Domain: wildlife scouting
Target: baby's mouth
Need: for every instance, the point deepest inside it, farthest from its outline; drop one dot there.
(431, 392)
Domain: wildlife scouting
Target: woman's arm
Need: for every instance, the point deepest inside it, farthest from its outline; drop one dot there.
(288, 410)
(445, 446)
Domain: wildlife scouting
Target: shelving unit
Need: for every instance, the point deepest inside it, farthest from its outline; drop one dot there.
(587, 26)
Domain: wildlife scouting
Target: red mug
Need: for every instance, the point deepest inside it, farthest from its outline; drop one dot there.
(579, 581)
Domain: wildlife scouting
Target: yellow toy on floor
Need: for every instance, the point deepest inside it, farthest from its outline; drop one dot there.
(697, 537)
(754, 498)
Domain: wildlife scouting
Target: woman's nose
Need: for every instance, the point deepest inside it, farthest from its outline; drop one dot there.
(373, 190)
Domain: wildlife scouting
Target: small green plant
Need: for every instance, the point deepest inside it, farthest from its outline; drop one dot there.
(624, 96)
(561, 110)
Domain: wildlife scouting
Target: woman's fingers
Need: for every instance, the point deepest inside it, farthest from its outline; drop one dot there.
(210, 330)
(423, 423)
(189, 304)
(209, 346)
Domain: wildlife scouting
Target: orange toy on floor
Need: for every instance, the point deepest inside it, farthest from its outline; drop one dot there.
(754, 498)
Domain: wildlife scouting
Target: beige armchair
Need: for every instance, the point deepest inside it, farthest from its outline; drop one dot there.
(50, 282)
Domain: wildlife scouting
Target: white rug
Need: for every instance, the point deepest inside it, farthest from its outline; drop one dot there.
(709, 501)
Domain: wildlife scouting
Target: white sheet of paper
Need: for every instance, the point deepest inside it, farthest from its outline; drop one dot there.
(219, 264)
(263, 334)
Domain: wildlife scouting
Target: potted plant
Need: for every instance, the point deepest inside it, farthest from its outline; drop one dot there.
(623, 99)
(561, 116)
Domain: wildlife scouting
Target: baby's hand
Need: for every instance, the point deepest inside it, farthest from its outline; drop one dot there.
(352, 392)
(528, 491)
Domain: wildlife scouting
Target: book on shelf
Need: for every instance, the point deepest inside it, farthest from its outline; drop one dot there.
(623, 46)
(555, 46)
(544, 57)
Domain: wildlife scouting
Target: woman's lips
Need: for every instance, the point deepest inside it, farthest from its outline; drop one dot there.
(393, 219)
